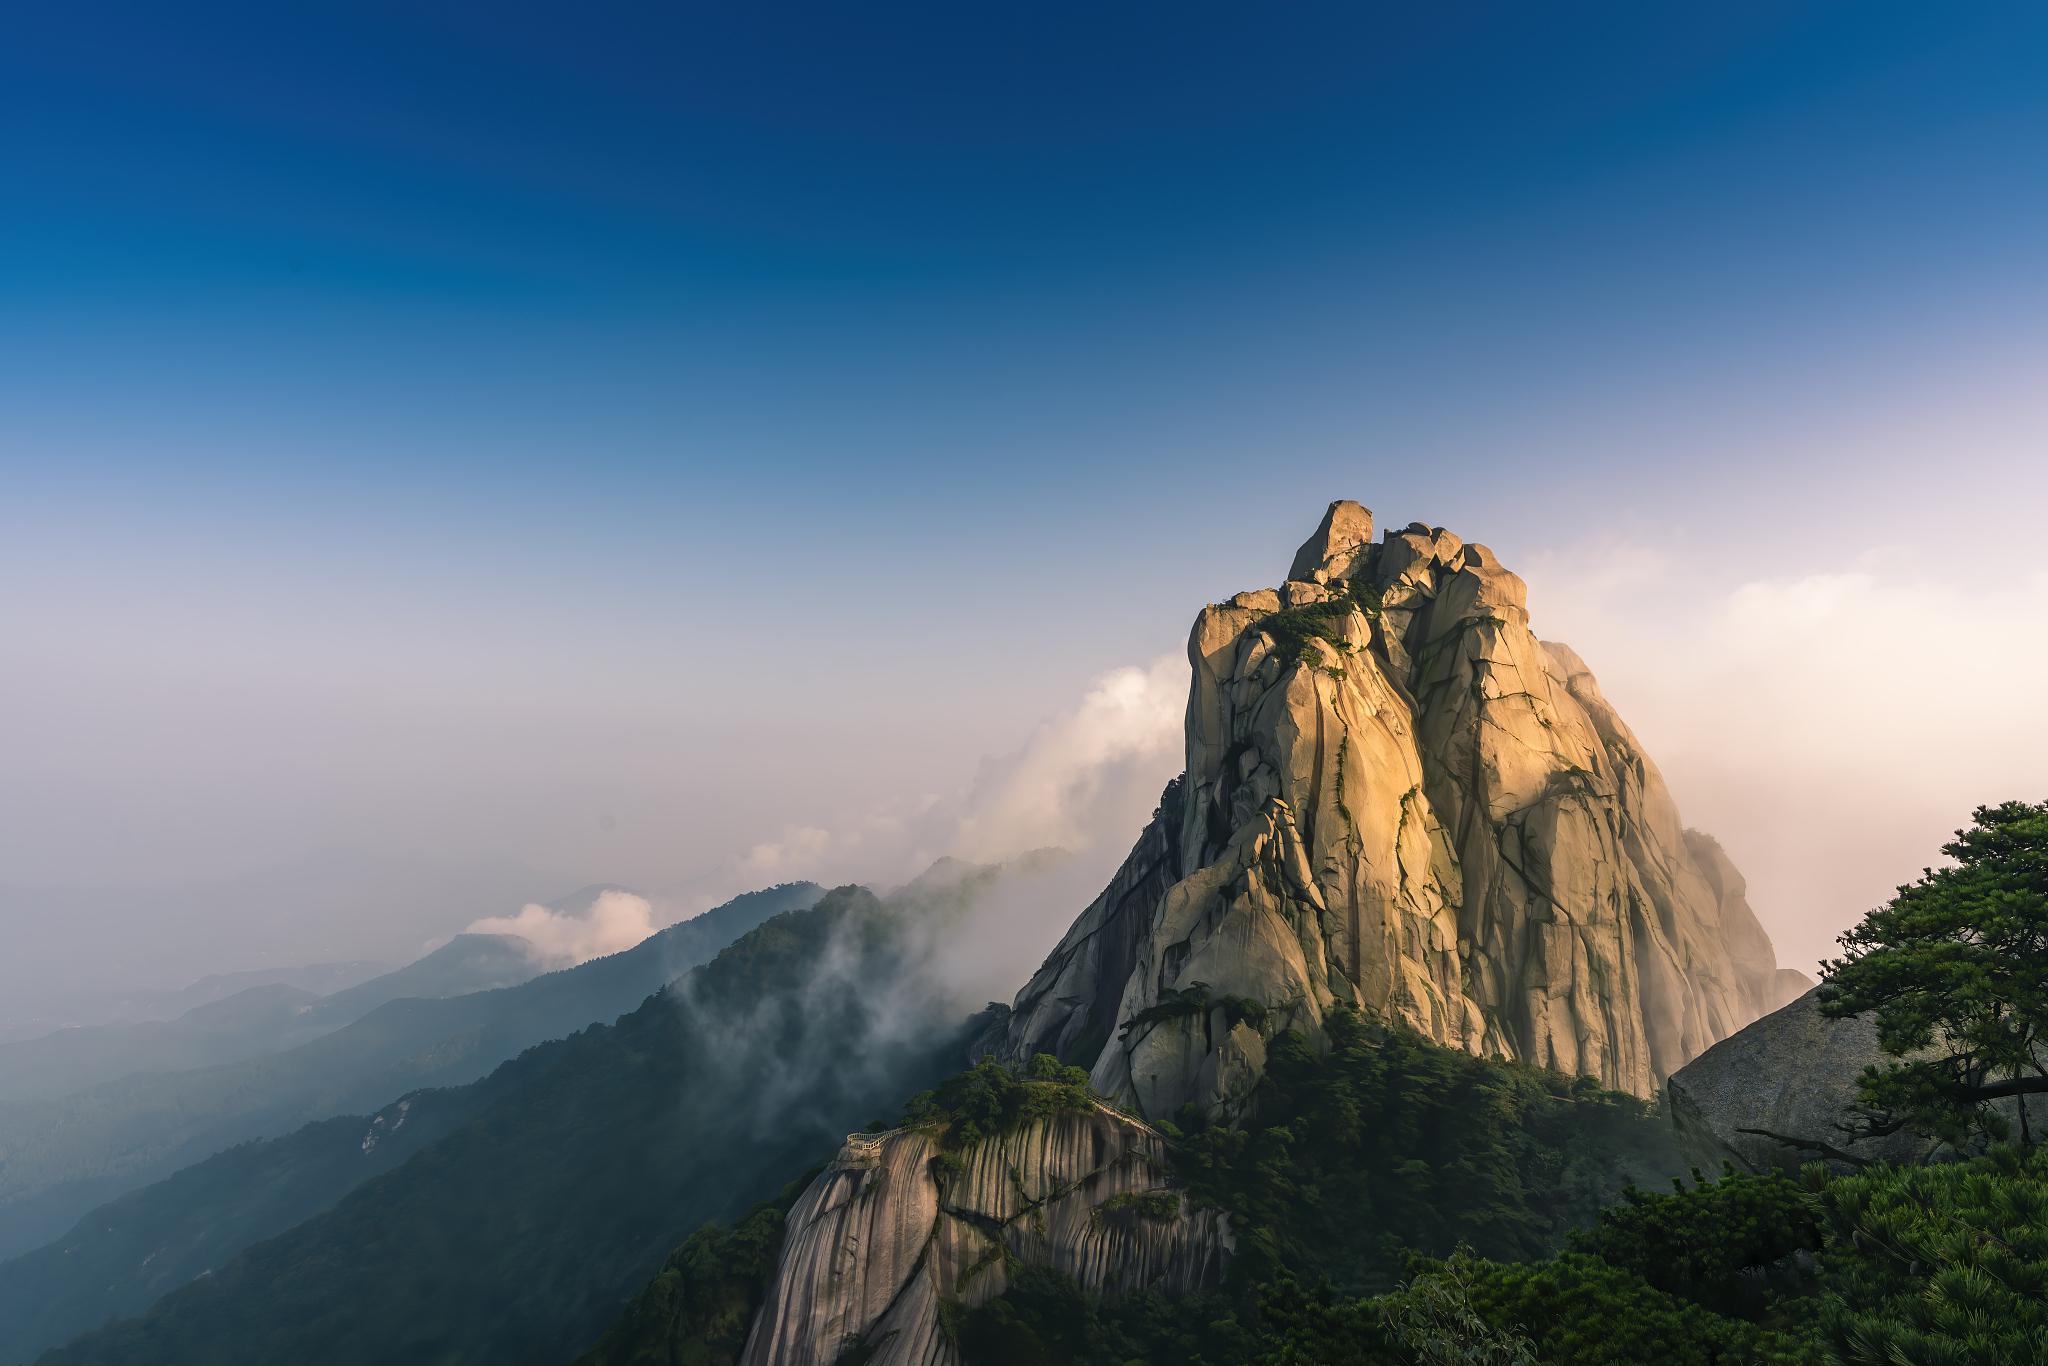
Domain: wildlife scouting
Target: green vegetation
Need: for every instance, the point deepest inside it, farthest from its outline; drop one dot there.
(1939, 1264)
(697, 1309)
(1382, 1144)
(524, 1232)
(1359, 1154)
(1173, 802)
(1295, 629)
(130, 1251)
(67, 1155)
(1955, 970)
(1157, 1205)
(1395, 1203)
(1943, 1264)
(988, 1100)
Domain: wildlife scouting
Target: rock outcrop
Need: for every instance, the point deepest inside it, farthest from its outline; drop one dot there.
(1397, 797)
(1769, 1093)
(886, 1235)
(1792, 1073)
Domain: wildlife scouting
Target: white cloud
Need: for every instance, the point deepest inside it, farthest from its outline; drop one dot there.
(1085, 776)
(798, 846)
(612, 922)
(1830, 725)
(1084, 780)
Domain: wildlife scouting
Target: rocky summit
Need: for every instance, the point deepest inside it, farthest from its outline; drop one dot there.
(1397, 797)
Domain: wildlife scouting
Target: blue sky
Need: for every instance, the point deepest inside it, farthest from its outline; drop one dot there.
(602, 434)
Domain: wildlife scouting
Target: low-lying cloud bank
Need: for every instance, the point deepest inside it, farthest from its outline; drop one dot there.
(1830, 727)
(1084, 781)
(613, 921)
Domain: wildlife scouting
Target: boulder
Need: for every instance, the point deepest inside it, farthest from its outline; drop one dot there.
(1337, 545)
(1791, 1073)
(1767, 1095)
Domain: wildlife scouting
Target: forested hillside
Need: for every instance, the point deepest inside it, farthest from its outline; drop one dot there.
(522, 1233)
(67, 1154)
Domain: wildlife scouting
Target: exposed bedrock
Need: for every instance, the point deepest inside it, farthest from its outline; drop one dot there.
(885, 1235)
(1397, 796)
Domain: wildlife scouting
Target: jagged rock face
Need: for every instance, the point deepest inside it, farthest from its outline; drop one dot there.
(1397, 796)
(880, 1239)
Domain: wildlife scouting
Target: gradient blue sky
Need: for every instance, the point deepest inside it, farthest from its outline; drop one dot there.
(605, 436)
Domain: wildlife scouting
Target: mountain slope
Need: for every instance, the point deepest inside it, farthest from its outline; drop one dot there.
(66, 1155)
(1398, 797)
(1050, 1229)
(130, 1252)
(516, 1237)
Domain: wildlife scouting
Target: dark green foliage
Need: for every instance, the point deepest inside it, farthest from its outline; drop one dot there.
(1294, 629)
(522, 1234)
(1045, 1320)
(1434, 1319)
(1356, 1156)
(1160, 1205)
(133, 1250)
(697, 1309)
(1713, 1244)
(1579, 1309)
(1385, 1144)
(1956, 966)
(988, 1099)
(1939, 1265)
(1920, 1265)
(69, 1154)
(1173, 800)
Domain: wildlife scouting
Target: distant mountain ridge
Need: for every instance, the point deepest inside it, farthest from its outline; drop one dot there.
(370, 904)
(1405, 823)
(67, 1154)
(572, 1170)
(168, 1003)
(256, 1020)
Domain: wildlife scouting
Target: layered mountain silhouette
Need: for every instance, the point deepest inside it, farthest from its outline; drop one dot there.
(544, 1195)
(268, 1017)
(1401, 812)
(1398, 801)
(67, 1154)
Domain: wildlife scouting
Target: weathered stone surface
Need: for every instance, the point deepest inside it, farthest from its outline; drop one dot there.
(1069, 1006)
(880, 1240)
(1793, 1073)
(1335, 549)
(1397, 796)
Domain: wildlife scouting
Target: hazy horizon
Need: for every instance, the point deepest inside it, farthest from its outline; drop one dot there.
(696, 451)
